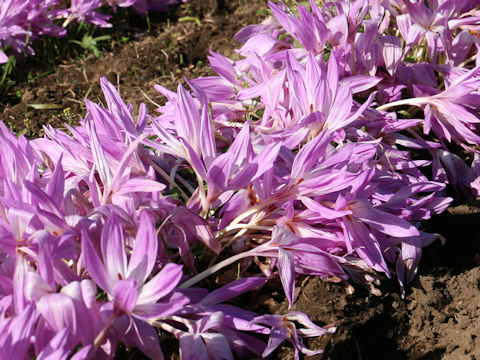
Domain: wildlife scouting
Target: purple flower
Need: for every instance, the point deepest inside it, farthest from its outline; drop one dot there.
(283, 328)
(310, 29)
(280, 163)
(296, 255)
(16, 333)
(126, 281)
(446, 113)
(205, 344)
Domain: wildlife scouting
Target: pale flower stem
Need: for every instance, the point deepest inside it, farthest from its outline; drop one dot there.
(243, 229)
(251, 211)
(465, 63)
(101, 335)
(164, 326)
(239, 234)
(211, 270)
(229, 243)
(221, 233)
(414, 101)
(468, 148)
(238, 226)
(231, 106)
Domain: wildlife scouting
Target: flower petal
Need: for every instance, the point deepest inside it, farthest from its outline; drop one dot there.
(112, 243)
(125, 295)
(94, 265)
(161, 285)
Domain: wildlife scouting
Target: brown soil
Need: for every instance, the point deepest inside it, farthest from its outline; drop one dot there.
(439, 319)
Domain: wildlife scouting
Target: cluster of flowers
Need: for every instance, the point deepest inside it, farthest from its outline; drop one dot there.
(22, 21)
(286, 163)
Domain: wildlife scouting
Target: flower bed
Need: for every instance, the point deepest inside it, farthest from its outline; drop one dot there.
(286, 163)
